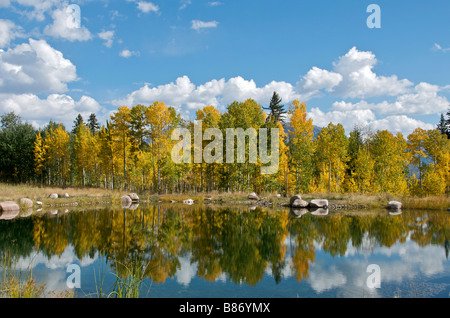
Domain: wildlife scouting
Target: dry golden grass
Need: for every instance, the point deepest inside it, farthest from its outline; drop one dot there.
(94, 195)
(10, 192)
(380, 200)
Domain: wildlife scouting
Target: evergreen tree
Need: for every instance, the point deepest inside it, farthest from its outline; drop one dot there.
(93, 124)
(448, 124)
(443, 126)
(276, 109)
(16, 149)
(355, 144)
(77, 123)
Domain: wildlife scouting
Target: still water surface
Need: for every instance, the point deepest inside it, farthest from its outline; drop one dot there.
(218, 251)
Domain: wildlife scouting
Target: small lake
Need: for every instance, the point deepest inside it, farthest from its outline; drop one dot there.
(234, 251)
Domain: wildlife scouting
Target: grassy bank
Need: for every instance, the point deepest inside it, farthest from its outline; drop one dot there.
(362, 200)
(10, 192)
(91, 196)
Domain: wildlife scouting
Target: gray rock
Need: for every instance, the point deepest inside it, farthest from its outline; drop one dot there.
(394, 205)
(66, 195)
(9, 215)
(126, 200)
(299, 203)
(9, 206)
(298, 213)
(28, 213)
(318, 203)
(26, 202)
(253, 196)
(293, 198)
(53, 196)
(132, 206)
(320, 212)
(134, 197)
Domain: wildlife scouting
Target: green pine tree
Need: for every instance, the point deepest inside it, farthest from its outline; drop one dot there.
(77, 122)
(276, 109)
(93, 124)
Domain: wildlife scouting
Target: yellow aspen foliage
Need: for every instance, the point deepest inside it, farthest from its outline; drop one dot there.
(40, 153)
(57, 143)
(301, 146)
(332, 157)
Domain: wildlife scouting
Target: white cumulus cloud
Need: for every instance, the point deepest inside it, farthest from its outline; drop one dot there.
(8, 32)
(57, 107)
(184, 94)
(108, 37)
(35, 67)
(64, 27)
(146, 6)
(127, 53)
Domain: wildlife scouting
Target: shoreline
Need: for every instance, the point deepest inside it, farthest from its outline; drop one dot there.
(82, 197)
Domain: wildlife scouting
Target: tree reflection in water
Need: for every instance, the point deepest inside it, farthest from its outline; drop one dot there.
(234, 241)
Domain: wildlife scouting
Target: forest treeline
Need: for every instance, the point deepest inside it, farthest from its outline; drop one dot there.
(132, 151)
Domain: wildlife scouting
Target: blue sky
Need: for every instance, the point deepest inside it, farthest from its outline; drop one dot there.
(193, 53)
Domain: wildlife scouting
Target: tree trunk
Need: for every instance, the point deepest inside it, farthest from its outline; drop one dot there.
(329, 176)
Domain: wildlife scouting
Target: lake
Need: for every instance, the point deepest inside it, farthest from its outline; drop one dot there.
(235, 251)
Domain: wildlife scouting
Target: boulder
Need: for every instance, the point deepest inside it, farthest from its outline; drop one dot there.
(28, 212)
(126, 200)
(320, 211)
(26, 202)
(394, 205)
(253, 196)
(66, 195)
(278, 195)
(318, 203)
(299, 204)
(38, 202)
(298, 213)
(9, 215)
(9, 206)
(132, 206)
(127, 204)
(293, 198)
(134, 197)
(188, 201)
(53, 196)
